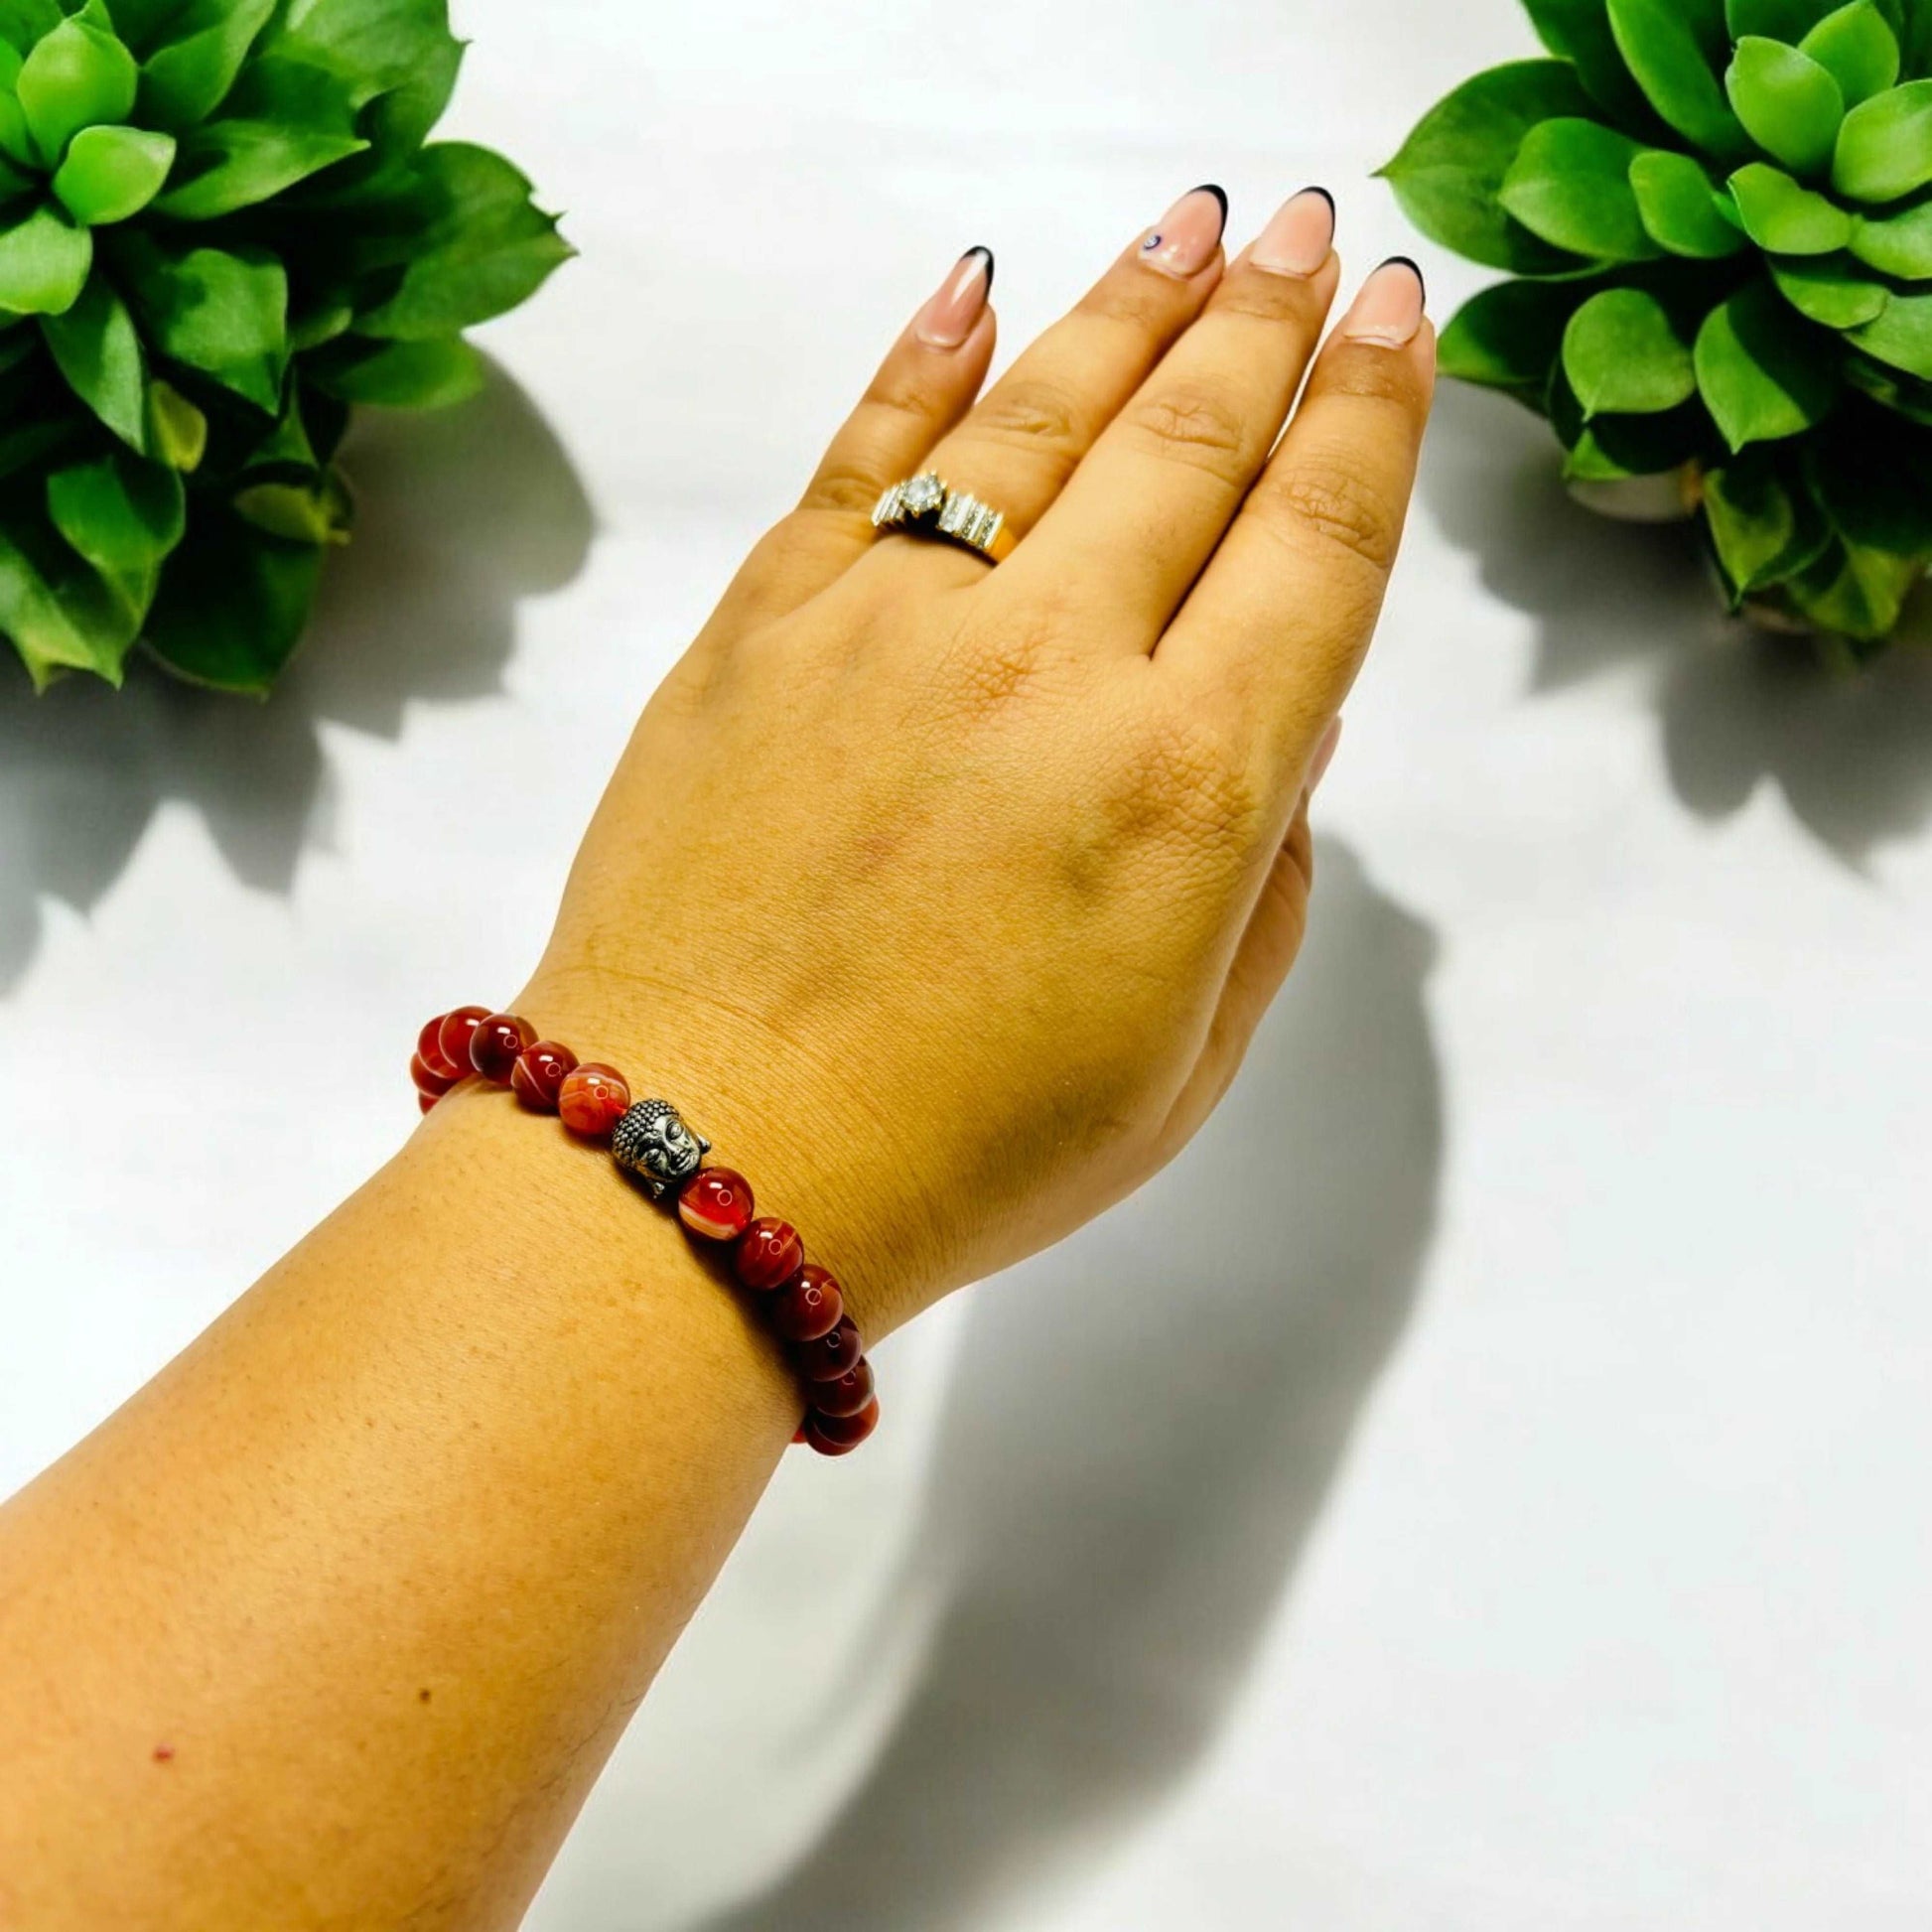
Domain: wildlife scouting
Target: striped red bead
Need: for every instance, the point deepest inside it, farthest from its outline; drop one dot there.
(539, 1075)
(767, 1254)
(497, 1042)
(809, 1305)
(716, 1203)
(593, 1099)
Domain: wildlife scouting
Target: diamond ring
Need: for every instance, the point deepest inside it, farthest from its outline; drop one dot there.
(923, 506)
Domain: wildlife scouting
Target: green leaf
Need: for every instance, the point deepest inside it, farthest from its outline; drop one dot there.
(1509, 337)
(61, 614)
(1783, 218)
(44, 263)
(1892, 389)
(184, 80)
(1854, 592)
(228, 165)
(112, 173)
(483, 246)
(1762, 531)
(1450, 168)
(1884, 148)
(317, 513)
(1899, 244)
(399, 123)
(121, 516)
(1579, 31)
(95, 348)
(23, 22)
(1830, 291)
(413, 374)
(77, 76)
(1902, 336)
(1611, 448)
(1789, 104)
(1858, 49)
(1570, 184)
(378, 43)
(1777, 20)
(225, 313)
(1760, 368)
(1622, 356)
(1678, 207)
(177, 430)
(1674, 48)
(233, 603)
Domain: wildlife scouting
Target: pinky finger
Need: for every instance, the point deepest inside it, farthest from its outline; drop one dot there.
(927, 383)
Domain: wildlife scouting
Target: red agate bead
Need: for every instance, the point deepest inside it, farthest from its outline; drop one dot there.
(429, 1049)
(840, 1435)
(453, 1035)
(428, 1080)
(809, 1305)
(768, 1253)
(716, 1203)
(830, 1356)
(848, 1395)
(497, 1042)
(539, 1073)
(593, 1099)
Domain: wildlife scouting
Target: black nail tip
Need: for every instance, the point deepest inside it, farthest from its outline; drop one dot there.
(1219, 192)
(1414, 267)
(1316, 188)
(985, 254)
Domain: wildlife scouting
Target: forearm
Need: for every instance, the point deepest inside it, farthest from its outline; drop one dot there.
(336, 1620)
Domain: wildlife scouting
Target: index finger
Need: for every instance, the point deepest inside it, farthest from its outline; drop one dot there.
(1279, 620)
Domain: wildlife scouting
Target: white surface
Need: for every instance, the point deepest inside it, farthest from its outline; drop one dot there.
(1518, 1520)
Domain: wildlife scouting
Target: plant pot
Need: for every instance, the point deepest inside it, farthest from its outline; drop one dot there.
(1671, 497)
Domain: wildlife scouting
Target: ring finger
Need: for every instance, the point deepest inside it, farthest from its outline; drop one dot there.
(1024, 439)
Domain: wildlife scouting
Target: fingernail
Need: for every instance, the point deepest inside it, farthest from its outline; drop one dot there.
(1183, 242)
(1324, 756)
(1301, 237)
(1389, 309)
(960, 300)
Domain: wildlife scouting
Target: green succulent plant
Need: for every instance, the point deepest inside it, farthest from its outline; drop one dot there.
(1720, 221)
(220, 229)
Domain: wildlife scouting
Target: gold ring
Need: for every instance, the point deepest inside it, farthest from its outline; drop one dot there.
(923, 506)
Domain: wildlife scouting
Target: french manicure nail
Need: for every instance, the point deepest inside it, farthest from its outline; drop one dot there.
(960, 300)
(1324, 756)
(1183, 242)
(1389, 310)
(1301, 237)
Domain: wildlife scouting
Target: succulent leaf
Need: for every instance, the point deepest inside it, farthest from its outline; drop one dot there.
(285, 121)
(1897, 245)
(96, 349)
(1831, 290)
(177, 430)
(1776, 20)
(1680, 210)
(1785, 218)
(1790, 105)
(1570, 184)
(1857, 46)
(1759, 372)
(43, 261)
(1622, 356)
(76, 77)
(121, 516)
(1579, 32)
(1676, 49)
(1884, 148)
(112, 173)
(429, 374)
(1509, 337)
(1763, 532)
(186, 76)
(1450, 170)
(1900, 335)
(222, 313)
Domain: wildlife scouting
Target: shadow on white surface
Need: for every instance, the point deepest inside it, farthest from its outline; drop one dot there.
(1851, 754)
(462, 513)
(1138, 1438)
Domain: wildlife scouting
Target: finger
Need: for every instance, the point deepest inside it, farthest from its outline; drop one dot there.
(1272, 635)
(1144, 511)
(925, 386)
(1018, 446)
(1270, 944)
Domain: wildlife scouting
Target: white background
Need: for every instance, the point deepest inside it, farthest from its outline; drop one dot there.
(1484, 1485)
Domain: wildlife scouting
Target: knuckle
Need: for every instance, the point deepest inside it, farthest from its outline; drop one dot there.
(1196, 422)
(1327, 500)
(1374, 376)
(845, 486)
(1133, 300)
(1034, 414)
(1187, 779)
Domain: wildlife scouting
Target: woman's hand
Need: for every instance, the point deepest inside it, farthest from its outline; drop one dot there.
(946, 898)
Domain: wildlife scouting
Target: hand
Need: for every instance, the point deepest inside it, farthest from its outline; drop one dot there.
(945, 898)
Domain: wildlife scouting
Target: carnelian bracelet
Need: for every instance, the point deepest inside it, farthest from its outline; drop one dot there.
(651, 1142)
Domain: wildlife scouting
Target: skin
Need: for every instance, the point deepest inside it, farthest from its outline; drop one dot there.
(946, 900)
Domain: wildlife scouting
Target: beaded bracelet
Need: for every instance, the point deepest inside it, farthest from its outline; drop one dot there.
(651, 1142)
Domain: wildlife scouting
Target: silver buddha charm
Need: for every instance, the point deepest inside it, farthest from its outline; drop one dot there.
(652, 1141)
